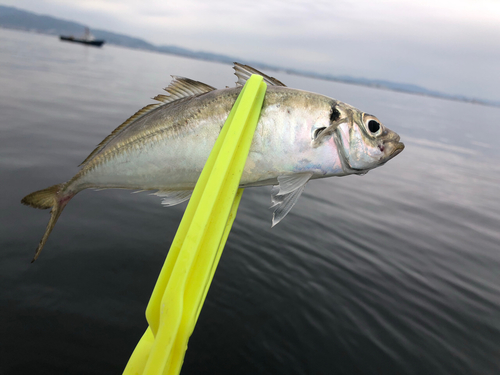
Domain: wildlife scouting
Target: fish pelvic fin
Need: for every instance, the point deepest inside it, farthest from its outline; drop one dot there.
(52, 197)
(286, 194)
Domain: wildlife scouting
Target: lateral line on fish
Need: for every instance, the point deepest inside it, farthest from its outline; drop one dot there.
(108, 156)
(180, 88)
(173, 129)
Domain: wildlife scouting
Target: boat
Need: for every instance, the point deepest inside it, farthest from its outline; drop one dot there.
(87, 39)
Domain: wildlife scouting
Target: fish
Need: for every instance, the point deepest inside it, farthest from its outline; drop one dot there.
(300, 136)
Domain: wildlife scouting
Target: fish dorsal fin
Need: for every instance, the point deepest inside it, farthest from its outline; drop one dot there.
(173, 197)
(243, 72)
(179, 88)
(285, 195)
(182, 87)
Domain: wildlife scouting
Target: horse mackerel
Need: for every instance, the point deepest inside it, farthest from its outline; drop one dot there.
(163, 147)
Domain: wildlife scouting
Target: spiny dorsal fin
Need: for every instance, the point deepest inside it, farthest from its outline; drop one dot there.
(179, 88)
(243, 72)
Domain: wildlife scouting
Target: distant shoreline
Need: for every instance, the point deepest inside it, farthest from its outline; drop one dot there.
(20, 20)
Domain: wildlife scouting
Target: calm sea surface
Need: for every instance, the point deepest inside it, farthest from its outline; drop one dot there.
(395, 272)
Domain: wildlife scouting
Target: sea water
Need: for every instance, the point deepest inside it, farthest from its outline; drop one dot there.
(396, 272)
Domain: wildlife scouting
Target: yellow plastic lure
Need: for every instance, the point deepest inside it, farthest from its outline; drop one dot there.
(184, 280)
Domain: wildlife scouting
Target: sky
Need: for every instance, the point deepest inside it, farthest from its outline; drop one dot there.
(447, 46)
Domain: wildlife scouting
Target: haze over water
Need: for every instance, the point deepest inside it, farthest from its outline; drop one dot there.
(395, 272)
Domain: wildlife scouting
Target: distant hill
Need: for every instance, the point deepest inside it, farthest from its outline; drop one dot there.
(14, 18)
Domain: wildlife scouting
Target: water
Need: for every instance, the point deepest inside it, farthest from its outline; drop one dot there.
(396, 272)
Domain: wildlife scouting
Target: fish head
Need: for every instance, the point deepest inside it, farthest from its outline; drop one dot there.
(365, 143)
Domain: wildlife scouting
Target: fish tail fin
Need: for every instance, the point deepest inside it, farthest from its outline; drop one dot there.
(52, 197)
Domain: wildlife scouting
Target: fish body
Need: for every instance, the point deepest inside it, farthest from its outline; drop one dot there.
(164, 146)
(167, 148)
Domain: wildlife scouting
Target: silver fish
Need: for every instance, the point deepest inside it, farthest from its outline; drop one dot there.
(300, 136)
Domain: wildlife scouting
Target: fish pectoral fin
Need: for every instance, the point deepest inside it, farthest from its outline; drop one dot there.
(243, 72)
(173, 197)
(322, 134)
(289, 183)
(285, 195)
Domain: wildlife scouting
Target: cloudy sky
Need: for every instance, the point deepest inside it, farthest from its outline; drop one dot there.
(448, 46)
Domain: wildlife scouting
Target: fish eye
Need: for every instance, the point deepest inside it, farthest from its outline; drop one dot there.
(373, 126)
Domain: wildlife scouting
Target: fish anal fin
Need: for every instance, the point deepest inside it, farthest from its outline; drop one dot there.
(173, 197)
(243, 72)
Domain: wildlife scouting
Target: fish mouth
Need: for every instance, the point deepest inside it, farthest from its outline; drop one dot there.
(398, 147)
